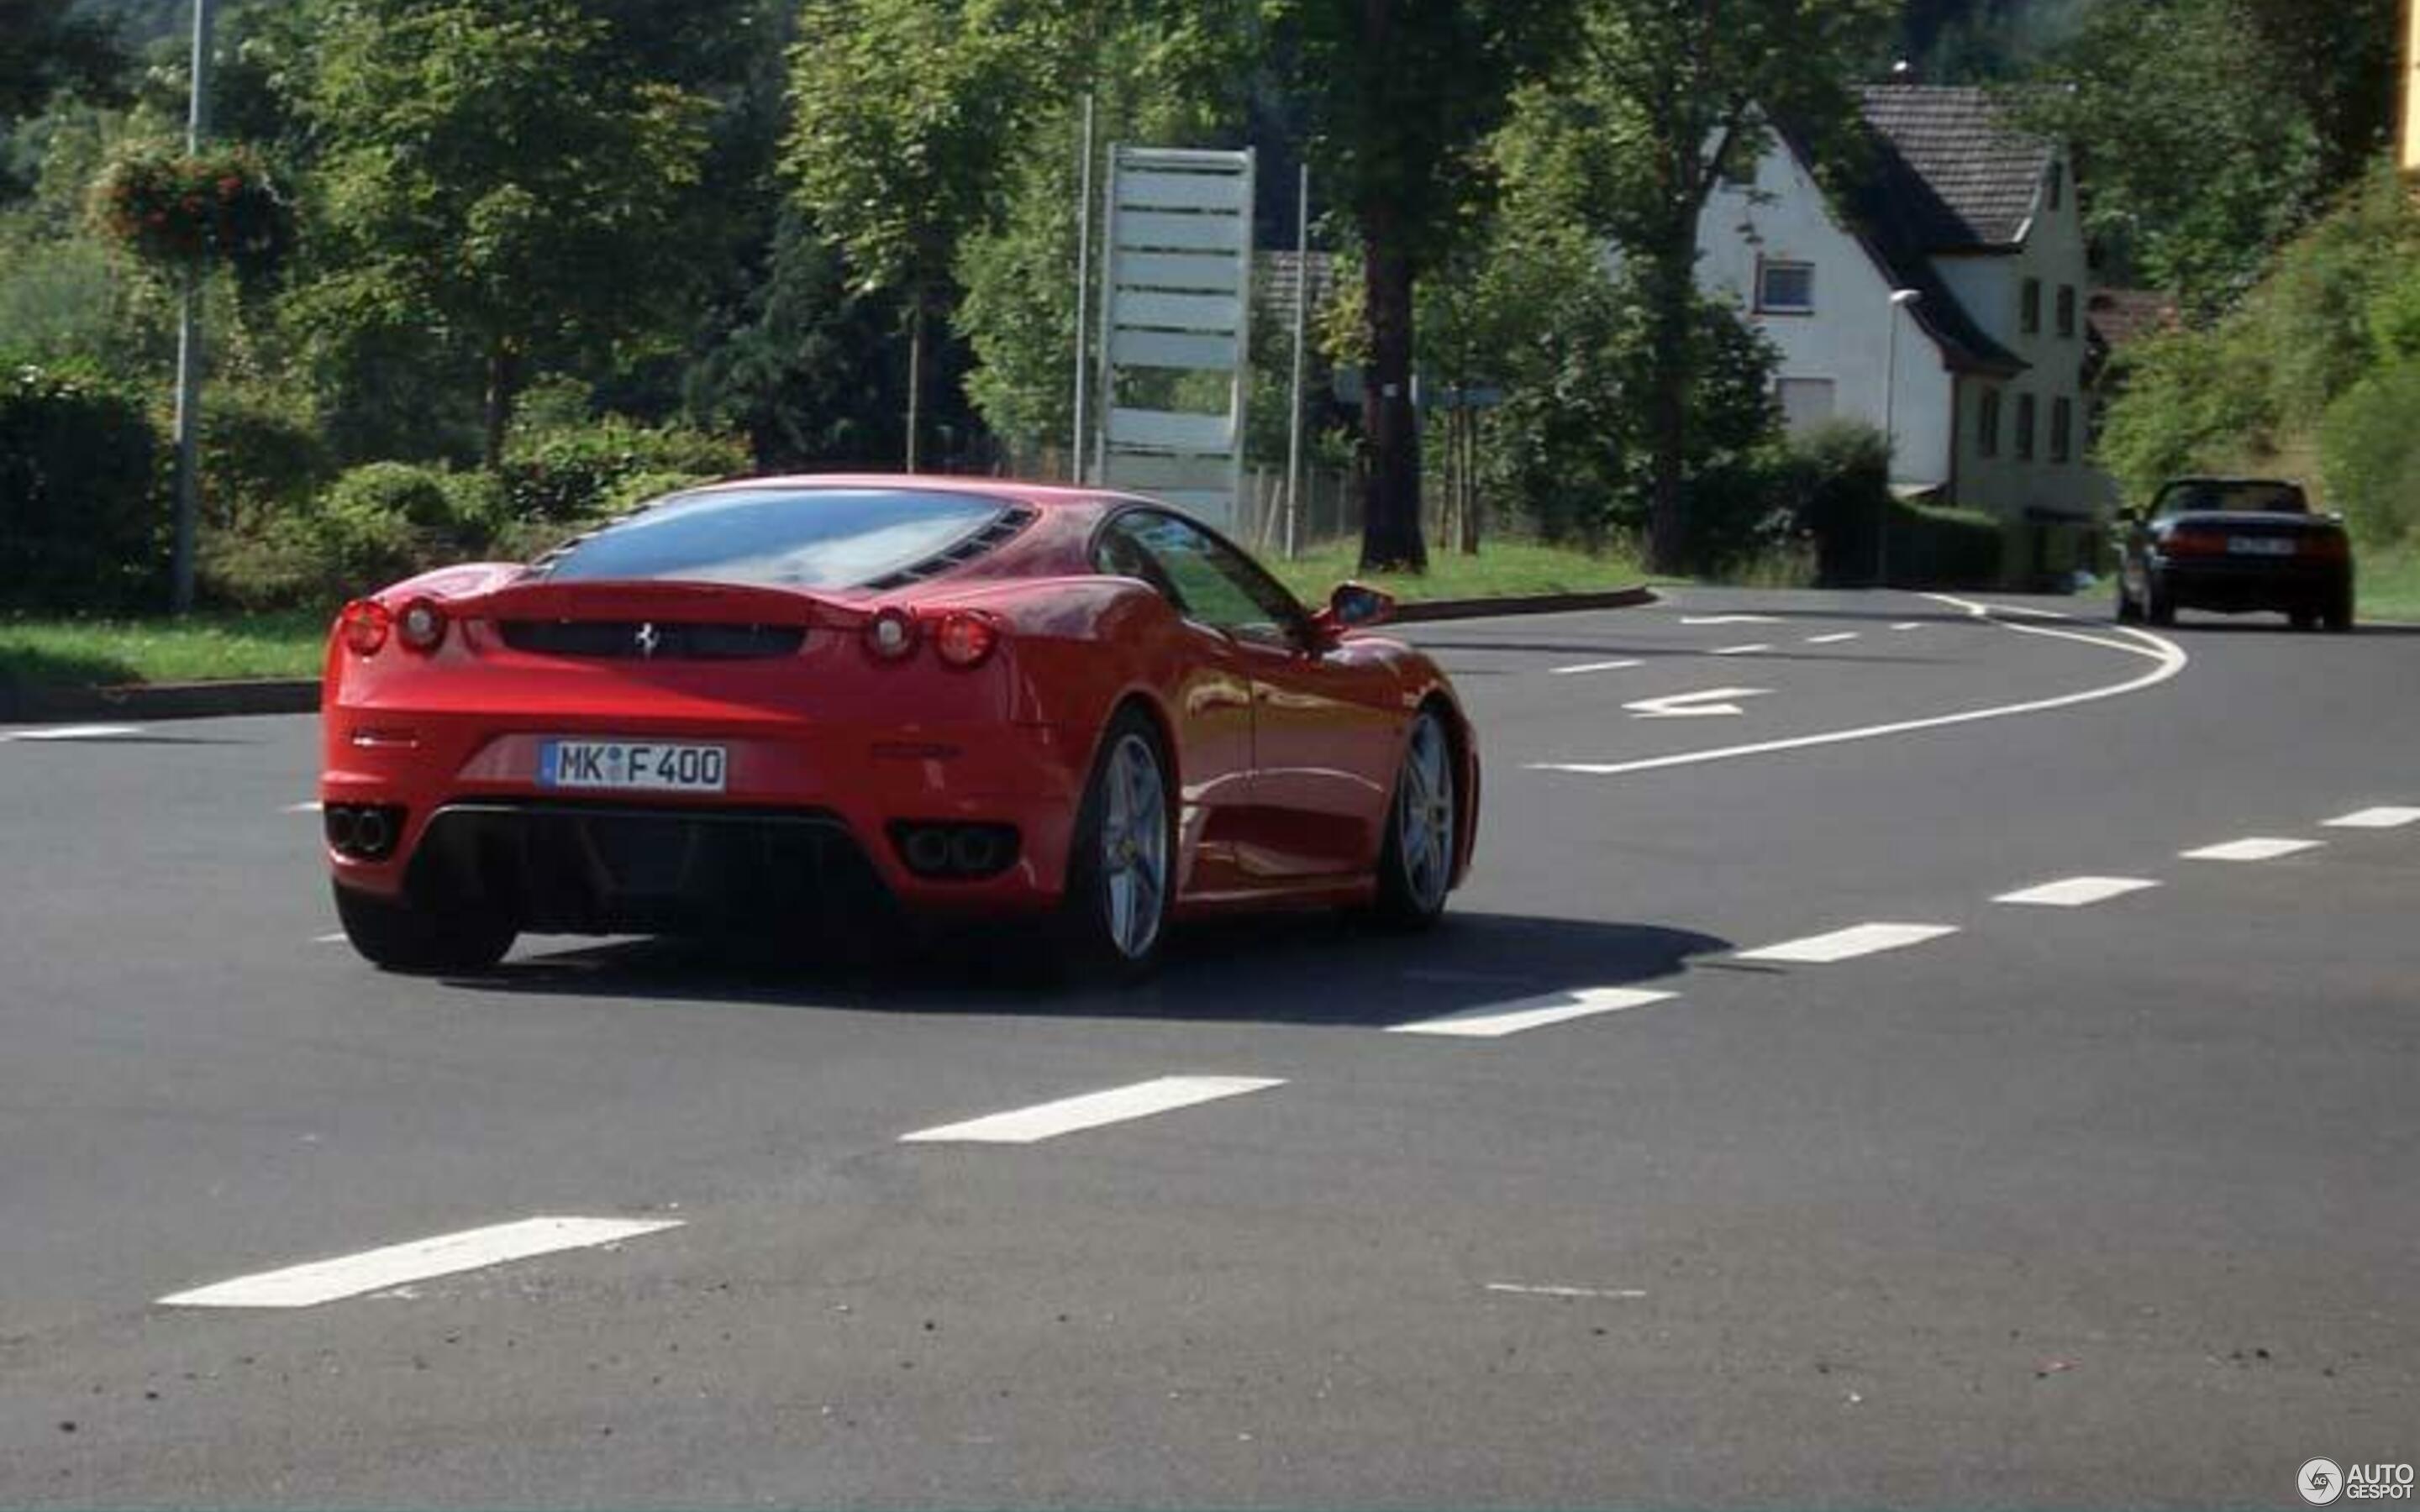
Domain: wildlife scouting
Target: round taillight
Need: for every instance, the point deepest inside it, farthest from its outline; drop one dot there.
(363, 623)
(965, 639)
(890, 634)
(420, 627)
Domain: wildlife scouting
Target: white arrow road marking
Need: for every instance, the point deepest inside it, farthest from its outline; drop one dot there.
(2376, 819)
(1596, 667)
(1712, 704)
(1849, 943)
(1729, 618)
(1068, 1114)
(2076, 892)
(422, 1259)
(1497, 1019)
(2258, 848)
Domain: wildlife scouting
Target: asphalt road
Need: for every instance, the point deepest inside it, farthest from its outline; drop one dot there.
(2109, 1204)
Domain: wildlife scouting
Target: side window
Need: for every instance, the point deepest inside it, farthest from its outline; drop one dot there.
(1209, 581)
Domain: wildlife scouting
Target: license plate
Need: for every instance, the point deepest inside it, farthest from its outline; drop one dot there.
(641, 765)
(2260, 546)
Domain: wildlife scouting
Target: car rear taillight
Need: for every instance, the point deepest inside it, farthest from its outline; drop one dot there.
(890, 635)
(2195, 543)
(363, 623)
(420, 627)
(2326, 548)
(966, 639)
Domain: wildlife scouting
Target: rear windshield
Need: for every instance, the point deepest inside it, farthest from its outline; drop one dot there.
(2209, 497)
(777, 537)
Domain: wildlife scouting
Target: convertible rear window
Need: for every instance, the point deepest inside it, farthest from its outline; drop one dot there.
(2210, 496)
(778, 537)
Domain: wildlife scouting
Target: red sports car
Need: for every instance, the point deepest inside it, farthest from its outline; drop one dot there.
(769, 702)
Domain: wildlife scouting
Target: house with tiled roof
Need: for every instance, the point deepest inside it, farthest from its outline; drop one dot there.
(1941, 297)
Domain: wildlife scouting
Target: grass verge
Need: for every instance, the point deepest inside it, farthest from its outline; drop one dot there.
(1501, 570)
(203, 648)
(2388, 586)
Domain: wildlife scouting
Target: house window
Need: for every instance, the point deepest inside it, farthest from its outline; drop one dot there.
(2024, 428)
(1785, 288)
(1806, 402)
(2067, 309)
(2029, 308)
(2062, 430)
(1987, 423)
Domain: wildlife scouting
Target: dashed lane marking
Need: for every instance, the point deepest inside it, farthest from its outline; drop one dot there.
(1741, 651)
(1831, 640)
(1497, 1019)
(1586, 667)
(2376, 819)
(1515, 1288)
(74, 731)
(1849, 943)
(1729, 618)
(421, 1259)
(1070, 1115)
(1909, 625)
(2257, 848)
(2076, 892)
(312, 807)
(337, 938)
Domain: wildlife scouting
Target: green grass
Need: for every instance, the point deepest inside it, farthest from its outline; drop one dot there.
(1502, 569)
(202, 648)
(2389, 584)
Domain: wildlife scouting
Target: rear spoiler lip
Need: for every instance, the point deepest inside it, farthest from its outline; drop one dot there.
(642, 598)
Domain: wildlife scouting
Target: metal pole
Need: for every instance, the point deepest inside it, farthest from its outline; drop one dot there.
(1083, 286)
(188, 345)
(1899, 300)
(1101, 354)
(1301, 322)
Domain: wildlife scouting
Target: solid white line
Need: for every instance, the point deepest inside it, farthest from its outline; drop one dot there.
(1596, 667)
(2076, 892)
(1849, 943)
(2171, 660)
(422, 1259)
(1831, 640)
(2374, 819)
(1740, 651)
(1497, 1019)
(75, 732)
(1068, 1114)
(1729, 618)
(1516, 1290)
(2258, 848)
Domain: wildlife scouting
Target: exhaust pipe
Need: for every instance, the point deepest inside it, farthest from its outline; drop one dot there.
(927, 849)
(372, 836)
(339, 821)
(973, 851)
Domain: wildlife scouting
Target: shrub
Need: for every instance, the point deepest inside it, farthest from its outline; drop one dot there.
(571, 475)
(259, 460)
(83, 523)
(638, 487)
(2369, 447)
(1836, 479)
(1944, 547)
(374, 524)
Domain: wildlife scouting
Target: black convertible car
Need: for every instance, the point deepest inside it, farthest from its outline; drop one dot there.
(2235, 545)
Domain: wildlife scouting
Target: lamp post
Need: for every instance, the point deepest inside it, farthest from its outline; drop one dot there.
(1901, 299)
(189, 346)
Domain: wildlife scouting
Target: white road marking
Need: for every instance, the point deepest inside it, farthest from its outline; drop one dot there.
(422, 1259)
(2076, 892)
(1497, 1019)
(2170, 656)
(1831, 640)
(1909, 625)
(2374, 819)
(312, 807)
(1615, 1294)
(337, 938)
(1741, 651)
(1069, 1115)
(1849, 943)
(1729, 618)
(2257, 848)
(1708, 703)
(1596, 667)
(74, 731)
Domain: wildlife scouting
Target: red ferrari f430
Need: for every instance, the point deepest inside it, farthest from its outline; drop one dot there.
(767, 704)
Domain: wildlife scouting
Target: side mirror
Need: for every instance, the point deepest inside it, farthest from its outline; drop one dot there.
(1353, 606)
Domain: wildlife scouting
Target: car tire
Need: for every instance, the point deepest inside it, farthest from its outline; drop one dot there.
(2338, 616)
(393, 935)
(1121, 858)
(2158, 606)
(1423, 826)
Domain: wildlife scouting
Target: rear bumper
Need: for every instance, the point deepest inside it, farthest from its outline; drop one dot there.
(808, 815)
(2235, 586)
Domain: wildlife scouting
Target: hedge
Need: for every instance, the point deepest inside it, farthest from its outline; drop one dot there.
(83, 522)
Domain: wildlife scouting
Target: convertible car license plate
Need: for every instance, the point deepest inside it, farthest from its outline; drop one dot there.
(2260, 546)
(644, 765)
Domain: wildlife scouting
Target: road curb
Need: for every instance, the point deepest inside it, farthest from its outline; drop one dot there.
(214, 700)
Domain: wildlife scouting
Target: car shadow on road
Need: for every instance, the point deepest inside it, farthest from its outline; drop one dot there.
(1304, 969)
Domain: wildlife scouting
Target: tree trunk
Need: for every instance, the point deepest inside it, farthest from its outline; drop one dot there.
(503, 386)
(1672, 290)
(915, 381)
(1391, 520)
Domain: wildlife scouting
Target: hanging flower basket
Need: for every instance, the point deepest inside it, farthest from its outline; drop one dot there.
(180, 212)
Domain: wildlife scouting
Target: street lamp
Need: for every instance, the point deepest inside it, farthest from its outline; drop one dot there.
(1901, 299)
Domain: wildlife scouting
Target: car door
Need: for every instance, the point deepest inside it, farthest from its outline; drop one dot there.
(1323, 731)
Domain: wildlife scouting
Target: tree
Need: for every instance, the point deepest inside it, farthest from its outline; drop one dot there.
(493, 167)
(53, 50)
(1656, 97)
(1401, 95)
